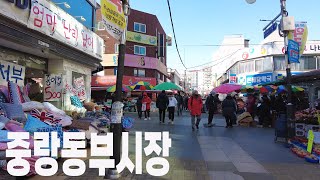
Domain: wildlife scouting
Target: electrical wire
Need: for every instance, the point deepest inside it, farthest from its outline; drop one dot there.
(222, 58)
(174, 35)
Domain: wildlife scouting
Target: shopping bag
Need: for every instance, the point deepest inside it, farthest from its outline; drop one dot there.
(144, 107)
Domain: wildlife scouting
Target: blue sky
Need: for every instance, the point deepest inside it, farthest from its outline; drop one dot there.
(207, 23)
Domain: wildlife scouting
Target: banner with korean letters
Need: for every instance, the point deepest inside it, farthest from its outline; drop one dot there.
(113, 17)
(53, 87)
(49, 19)
(11, 72)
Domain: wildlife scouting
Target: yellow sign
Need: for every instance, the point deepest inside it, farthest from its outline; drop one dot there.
(310, 141)
(113, 17)
(300, 35)
(141, 38)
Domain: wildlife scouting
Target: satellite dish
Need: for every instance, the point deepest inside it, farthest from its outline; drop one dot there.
(251, 1)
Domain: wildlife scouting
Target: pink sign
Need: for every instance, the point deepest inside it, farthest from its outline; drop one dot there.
(141, 61)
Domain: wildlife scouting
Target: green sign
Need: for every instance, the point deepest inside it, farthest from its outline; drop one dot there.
(141, 38)
(310, 141)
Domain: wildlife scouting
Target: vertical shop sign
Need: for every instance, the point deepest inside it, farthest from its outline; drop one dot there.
(113, 17)
(79, 86)
(11, 72)
(53, 87)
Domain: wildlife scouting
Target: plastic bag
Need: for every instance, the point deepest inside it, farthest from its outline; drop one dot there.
(144, 107)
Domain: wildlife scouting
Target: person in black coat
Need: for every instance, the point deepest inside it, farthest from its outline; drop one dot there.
(139, 106)
(162, 104)
(264, 112)
(229, 108)
(212, 102)
(179, 99)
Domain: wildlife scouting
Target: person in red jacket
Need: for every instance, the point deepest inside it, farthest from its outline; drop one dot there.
(146, 101)
(195, 106)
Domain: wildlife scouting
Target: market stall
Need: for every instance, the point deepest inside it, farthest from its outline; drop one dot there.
(19, 114)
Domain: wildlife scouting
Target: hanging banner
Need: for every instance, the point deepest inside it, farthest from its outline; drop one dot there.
(52, 87)
(293, 51)
(300, 35)
(11, 72)
(52, 21)
(113, 17)
(141, 38)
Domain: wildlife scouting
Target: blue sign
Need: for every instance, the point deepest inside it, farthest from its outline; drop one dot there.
(258, 79)
(293, 51)
(270, 30)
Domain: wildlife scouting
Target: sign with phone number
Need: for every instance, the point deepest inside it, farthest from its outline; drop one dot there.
(113, 17)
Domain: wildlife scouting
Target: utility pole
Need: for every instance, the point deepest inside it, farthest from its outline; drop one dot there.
(285, 32)
(117, 106)
(290, 110)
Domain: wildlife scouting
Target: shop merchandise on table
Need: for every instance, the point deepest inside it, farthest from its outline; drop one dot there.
(19, 114)
(306, 120)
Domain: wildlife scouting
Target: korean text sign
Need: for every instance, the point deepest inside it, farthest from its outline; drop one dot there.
(113, 17)
(300, 35)
(47, 145)
(11, 72)
(258, 79)
(53, 87)
(293, 51)
(48, 19)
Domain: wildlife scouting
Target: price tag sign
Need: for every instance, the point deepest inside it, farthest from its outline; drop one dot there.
(310, 141)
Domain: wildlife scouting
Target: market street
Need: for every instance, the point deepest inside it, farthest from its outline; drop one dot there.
(216, 153)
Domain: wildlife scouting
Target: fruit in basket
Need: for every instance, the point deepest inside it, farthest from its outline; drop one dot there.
(301, 153)
(311, 156)
(294, 150)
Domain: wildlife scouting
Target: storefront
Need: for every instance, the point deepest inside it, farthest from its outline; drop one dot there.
(51, 51)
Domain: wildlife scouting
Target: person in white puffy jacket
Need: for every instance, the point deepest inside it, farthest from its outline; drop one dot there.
(171, 107)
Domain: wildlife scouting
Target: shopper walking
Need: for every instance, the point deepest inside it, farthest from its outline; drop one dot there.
(251, 103)
(212, 102)
(185, 101)
(229, 108)
(195, 106)
(139, 106)
(162, 104)
(146, 105)
(179, 99)
(171, 107)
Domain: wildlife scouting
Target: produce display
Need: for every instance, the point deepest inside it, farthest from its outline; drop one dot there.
(299, 147)
(308, 116)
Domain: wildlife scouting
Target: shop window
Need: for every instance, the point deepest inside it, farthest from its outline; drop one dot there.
(234, 69)
(139, 72)
(263, 65)
(246, 66)
(140, 50)
(139, 27)
(309, 62)
(279, 63)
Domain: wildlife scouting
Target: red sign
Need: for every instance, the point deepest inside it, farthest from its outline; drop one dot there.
(127, 80)
(131, 80)
(103, 80)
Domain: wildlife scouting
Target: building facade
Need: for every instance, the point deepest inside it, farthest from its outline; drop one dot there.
(175, 77)
(146, 52)
(48, 50)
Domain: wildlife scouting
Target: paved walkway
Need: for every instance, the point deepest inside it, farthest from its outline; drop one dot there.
(216, 153)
